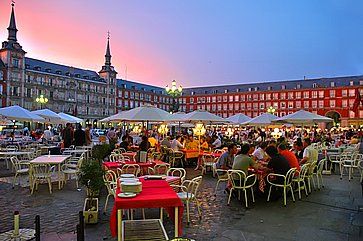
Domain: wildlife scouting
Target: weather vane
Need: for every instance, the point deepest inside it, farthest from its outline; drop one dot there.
(12, 2)
(108, 34)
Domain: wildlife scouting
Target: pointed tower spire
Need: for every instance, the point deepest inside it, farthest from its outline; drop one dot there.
(108, 52)
(12, 25)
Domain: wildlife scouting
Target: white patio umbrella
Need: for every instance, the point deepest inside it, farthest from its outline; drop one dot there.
(116, 117)
(203, 117)
(177, 117)
(147, 113)
(303, 117)
(264, 119)
(238, 118)
(69, 118)
(49, 116)
(18, 113)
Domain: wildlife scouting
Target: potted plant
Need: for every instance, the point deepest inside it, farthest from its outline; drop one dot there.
(100, 152)
(91, 175)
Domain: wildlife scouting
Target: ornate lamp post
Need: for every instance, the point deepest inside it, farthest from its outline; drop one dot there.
(199, 131)
(174, 92)
(271, 110)
(42, 100)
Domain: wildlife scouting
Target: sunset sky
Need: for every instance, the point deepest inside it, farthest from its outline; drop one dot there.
(196, 42)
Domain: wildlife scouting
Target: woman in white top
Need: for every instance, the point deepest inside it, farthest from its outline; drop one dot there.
(176, 144)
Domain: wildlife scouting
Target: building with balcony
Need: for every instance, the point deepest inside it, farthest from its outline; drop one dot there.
(332, 97)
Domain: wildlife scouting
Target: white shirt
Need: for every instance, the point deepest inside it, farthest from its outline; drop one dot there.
(259, 153)
(176, 145)
(47, 134)
(311, 154)
(217, 143)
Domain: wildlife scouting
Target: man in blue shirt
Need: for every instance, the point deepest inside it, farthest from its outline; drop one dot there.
(226, 160)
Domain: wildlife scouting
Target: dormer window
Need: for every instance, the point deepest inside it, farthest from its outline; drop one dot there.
(77, 75)
(134, 88)
(250, 89)
(237, 90)
(315, 85)
(256, 88)
(298, 86)
(269, 88)
(37, 68)
(225, 91)
(27, 66)
(85, 76)
(68, 74)
(94, 78)
(47, 70)
(58, 72)
(206, 92)
(192, 93)
(332, 84)
(283, 87)
(351, 83)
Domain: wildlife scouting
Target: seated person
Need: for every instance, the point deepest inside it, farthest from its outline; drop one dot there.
(145, 144)
(153, 141)
(191, 144)
(176, 144)
(277, 163)
(243, 161)
(217, 143)
(125, 143)
(289, 156)
(226, 160)
(259, 154)
(166, 142)
(204, 144)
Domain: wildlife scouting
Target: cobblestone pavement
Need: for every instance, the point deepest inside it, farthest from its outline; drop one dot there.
(329, 214)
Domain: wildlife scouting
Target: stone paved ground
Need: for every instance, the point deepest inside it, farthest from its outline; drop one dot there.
(329, 214)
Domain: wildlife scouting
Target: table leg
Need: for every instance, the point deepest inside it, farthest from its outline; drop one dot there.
(176, 224)
(59, 178)
(161, 214)
(119, 223)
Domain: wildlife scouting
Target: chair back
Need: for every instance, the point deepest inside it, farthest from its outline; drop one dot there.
(12, 148)
(16, 163)
(208, 158)
(320, 167)
(143, 156)
(239, 179)
(304, 170)
(193, 186)
(41, 171)
(161, 169)
(177, 172)
(218, 151)
(290, 175)
(110, 179)
(115, 157)
(131, 169)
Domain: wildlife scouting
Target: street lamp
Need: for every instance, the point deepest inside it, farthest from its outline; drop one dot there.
(271, 110)
(42, 100)
(199, 131)
(174, 92)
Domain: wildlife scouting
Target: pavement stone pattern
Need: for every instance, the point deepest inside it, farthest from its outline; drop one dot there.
(329, 214)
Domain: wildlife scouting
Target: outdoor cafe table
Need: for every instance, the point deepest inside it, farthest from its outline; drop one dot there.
(154, 194)
(143, 165)
(52, 160)
(130, 155)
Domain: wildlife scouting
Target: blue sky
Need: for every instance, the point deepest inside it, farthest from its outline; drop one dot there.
(196, 42)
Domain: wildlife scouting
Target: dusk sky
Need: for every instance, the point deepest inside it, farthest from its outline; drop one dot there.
(196, 42)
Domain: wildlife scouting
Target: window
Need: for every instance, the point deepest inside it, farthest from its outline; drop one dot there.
(321, 94)
(262, 96)
(332, 84)
(314, 104)
(298, 104)
(283, 87)
(16, 63)
(315, 85)
(306, 104)
(298, 95)
(283, 105)
(290, 95)
(191, 100)
(291, 104)
(344, 103)
(231, 98)
(351, 102)
(255, 97)
(344, 93)
(352, 92)
(332, 93)
(298, 86)
(351, 83)
(275, 96)
(283, 96)
(236, 98)
(351, 114)
(225, 98)
(29, 93)
(315, 94)
(214, 99)
(268, 96)
(262, 106)
(306, 95)
(243, 106)
(126, 94)
(236, 106)
(321, 104)
(243, 97)
(255, 106)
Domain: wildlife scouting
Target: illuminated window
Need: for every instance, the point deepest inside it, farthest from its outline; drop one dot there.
(332, 103)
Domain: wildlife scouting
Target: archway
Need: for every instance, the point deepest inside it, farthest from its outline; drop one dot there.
(335, 116)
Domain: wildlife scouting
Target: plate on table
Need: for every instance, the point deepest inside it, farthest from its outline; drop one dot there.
(123, 179)
(127, 175)
(156, 177)
(126, 194)
(131, 183)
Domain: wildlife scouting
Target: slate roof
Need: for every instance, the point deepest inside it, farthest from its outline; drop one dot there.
(275, 85)
(48, 67)
(127, 84)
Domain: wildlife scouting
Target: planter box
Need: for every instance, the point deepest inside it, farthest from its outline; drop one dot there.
(90, 210)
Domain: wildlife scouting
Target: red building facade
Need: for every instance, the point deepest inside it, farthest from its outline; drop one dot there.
(332, 97)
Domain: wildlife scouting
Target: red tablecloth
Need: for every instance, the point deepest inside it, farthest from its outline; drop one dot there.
(155, 194)
(143, 165)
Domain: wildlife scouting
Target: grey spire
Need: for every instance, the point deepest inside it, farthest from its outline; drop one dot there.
(108, 52)
(12, 26)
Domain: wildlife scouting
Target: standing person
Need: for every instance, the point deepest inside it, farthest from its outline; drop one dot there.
(79, 136)
(88, 134)
(111, 134)
(67, 135)
(47, 135)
